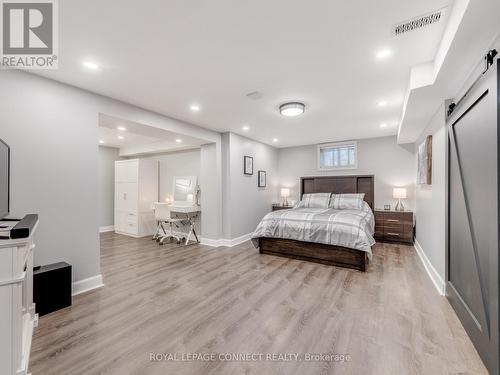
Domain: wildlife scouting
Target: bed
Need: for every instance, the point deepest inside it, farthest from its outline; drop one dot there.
(324, 235)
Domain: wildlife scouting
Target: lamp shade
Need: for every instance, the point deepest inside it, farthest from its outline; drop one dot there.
(285, 192)
(399, 193)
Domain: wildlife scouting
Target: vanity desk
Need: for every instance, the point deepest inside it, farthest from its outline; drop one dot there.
(190, 213)
(182, 213)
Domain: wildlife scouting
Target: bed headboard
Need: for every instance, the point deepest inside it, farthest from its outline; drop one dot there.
(338, 185)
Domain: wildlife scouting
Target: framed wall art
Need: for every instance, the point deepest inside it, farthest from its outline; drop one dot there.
(424, 174)
(248, 165)
(262, 179)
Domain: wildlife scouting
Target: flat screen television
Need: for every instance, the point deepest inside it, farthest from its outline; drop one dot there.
(4, 179)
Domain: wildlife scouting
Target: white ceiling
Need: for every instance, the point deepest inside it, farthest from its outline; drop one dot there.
(166, 55)
(138, 139)
(476, 26)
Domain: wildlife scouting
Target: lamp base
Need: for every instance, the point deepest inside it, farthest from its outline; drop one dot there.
(285, 202)
(399, 205)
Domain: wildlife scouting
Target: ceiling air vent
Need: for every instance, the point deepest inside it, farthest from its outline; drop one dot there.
(255, 95)
(418, 22)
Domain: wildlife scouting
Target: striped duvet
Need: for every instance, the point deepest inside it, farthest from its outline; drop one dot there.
(349, 228)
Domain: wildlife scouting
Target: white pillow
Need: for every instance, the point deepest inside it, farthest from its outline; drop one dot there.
(347, 201)
(315, 200)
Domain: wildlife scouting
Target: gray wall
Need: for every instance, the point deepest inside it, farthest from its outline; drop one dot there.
(52, 132)
(392, 164)
(245, 204)
(211, 190)
(52, 128)
(430, 214)
(430, 200)
(180, 163)
(107, 158)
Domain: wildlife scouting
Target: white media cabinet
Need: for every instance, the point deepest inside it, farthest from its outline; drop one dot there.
(17, 310)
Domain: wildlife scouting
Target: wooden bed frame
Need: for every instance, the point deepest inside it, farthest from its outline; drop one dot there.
(321, 253)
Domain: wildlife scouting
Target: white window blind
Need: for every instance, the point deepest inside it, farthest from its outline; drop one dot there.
(341, 155)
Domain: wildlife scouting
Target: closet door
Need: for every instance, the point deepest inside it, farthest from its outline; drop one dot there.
(126, 196)
(472, 267)
(127, 170)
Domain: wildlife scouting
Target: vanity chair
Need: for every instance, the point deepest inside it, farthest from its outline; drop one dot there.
(185, 205)
(163, 217)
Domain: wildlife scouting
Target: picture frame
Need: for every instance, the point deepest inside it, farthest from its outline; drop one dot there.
(261, 181)
(248, 165)
(424, 173)
(387, 207)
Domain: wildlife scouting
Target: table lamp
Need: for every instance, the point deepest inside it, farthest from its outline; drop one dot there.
(285, 193)
(399, 193)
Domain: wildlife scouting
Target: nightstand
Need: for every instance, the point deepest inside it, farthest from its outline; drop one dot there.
(394, 226)
(277, 207)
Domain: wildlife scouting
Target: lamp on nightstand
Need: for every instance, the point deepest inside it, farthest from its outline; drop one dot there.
(285, 193)
(399, 193)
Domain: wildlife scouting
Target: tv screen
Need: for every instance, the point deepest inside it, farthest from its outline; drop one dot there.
(4, 179)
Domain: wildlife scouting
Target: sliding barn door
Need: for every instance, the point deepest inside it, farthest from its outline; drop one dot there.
(472, 277)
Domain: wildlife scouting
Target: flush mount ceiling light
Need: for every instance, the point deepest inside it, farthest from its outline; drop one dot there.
(292, 109)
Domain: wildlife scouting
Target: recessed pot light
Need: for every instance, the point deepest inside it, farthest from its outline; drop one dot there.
(120, 137)
(275, 140)
(194, 107)
(101, 142)
(246, 128)
(90, 65)
(383, 125)
(383, 54)
(178, 140)
(382, 103)
(292, 109)
(122, 128)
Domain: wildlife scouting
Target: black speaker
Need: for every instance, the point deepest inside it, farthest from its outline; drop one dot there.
(52, 287)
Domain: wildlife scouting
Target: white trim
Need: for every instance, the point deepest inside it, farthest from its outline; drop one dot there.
(209, 242)
(236, 241)
(85, 285)
(226, 242)
(107, 228)
(435, 277)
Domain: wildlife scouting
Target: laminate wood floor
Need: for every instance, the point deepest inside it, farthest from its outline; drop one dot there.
(197, 299)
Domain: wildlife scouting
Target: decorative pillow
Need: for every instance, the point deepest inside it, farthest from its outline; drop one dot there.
(315, 200)
(347, 201)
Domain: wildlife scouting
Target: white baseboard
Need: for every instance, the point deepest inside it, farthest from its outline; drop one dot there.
(85, 285)
(435, 277)
(226, 242)
(108, 228)
(209, 242)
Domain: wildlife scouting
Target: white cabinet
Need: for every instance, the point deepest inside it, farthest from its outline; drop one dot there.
(136, 188)
(17, 311)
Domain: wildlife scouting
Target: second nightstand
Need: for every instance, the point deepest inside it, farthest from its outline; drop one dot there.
(277, 207)
(394, 226)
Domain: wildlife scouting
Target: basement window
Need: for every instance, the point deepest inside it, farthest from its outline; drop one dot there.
(339, 155)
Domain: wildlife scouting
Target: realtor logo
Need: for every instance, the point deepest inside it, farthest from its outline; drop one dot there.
(29, 37)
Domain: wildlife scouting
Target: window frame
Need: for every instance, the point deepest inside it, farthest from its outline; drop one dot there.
(334, 145)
